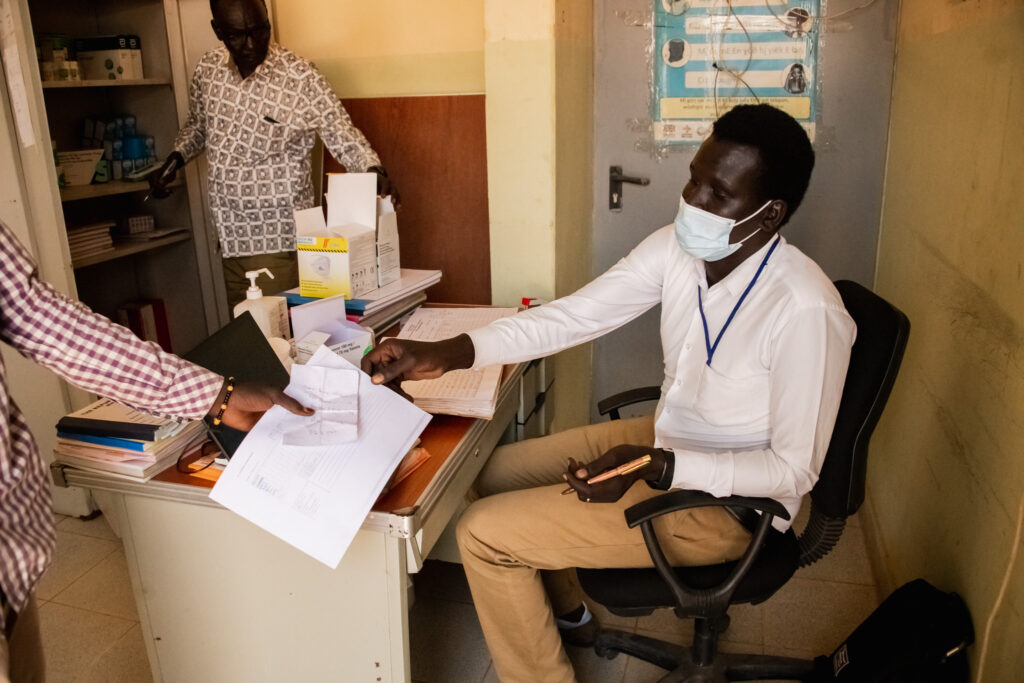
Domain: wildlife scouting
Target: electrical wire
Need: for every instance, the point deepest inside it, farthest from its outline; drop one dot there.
(736, 74)
(1002, 593)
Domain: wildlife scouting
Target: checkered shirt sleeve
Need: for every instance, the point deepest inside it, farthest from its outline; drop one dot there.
(88, 350)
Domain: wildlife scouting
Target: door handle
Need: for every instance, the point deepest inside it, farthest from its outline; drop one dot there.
(615, 180)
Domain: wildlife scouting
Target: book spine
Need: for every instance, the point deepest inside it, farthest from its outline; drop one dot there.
(130, 316)
(163, 332)
(109, 441)
(124, 430)
(148, 321)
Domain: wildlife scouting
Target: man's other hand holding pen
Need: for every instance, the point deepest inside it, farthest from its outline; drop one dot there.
(605, 479)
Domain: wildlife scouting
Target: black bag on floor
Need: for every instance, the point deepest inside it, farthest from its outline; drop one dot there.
(918, 634)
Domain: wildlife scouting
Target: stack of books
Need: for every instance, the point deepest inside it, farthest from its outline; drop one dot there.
(382, 305)
(90, 240)
(107, 436)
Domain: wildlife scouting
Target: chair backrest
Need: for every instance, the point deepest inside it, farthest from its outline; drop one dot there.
(882, 331)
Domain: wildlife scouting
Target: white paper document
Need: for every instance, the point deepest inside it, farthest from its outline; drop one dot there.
(316, 497)
(334, 394)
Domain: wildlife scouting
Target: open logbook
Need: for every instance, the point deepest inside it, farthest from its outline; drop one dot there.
(473, 393)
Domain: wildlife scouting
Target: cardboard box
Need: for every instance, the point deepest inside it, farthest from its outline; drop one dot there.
(105, 58)
(344, 337)
(333, 261)
(355, 250)
(388, 261)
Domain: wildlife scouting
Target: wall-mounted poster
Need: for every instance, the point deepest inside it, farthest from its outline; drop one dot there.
(710, 55)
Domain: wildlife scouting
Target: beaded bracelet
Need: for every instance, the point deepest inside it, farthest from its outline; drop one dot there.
(224, 404)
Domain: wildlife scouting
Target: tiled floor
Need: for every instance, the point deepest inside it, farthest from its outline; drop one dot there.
(91, 630)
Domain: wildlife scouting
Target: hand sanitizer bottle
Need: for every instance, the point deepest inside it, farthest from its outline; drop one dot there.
(269, 312)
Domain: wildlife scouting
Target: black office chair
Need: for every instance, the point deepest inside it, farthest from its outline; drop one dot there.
(705, 593)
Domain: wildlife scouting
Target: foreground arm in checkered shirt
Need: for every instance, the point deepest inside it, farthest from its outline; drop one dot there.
(93, 353)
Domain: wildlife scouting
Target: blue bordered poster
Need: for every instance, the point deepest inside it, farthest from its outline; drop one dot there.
(710, 55)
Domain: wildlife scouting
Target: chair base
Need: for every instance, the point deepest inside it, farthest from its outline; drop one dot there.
(678, 660)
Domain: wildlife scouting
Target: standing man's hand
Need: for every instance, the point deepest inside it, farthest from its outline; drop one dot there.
(161, 178)
(250, 400)
(396, 360)
(385, 186)
(661, 467)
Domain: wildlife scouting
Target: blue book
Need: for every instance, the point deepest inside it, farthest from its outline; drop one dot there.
(108, 441)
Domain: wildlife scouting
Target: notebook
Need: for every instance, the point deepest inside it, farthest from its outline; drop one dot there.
(241, 351)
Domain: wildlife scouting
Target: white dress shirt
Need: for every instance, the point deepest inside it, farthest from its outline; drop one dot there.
(757, 420)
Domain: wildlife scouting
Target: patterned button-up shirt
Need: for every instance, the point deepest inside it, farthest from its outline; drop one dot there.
(258, 133)
(87, 349)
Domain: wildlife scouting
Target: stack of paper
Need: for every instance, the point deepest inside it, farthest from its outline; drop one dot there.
(316, 497)
(90, 240)
(410, 282)
(473, 393)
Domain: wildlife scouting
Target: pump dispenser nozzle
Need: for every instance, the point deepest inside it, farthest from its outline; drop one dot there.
(255, 292)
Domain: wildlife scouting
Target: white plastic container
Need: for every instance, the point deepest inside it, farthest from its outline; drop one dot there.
(269, 312)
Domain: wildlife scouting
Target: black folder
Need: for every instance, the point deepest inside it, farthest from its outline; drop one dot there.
(238, 350)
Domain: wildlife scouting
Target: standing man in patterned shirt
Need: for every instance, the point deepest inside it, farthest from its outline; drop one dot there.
(88, 350)
(256, 108)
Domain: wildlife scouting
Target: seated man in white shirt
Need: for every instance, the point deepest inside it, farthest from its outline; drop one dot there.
(756, 344)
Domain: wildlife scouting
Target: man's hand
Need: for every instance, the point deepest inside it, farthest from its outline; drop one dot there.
(385, 186)
(164, 176)
(396, 360)
(250, 400)
(611, 490)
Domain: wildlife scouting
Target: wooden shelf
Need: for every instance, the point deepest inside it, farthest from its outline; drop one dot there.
(64, 85)
(128, 248)
(76, 192)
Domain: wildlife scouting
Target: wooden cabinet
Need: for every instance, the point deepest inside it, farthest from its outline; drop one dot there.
(181, 269)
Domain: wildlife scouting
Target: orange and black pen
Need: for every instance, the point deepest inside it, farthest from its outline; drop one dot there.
(631, 466)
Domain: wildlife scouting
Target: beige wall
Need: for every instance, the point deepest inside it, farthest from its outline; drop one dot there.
(539, 85)
(388, 49)
(947, 467)
(574, 144)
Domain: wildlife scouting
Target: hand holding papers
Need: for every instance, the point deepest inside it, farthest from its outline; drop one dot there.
(316, 497)
(334, 393)
(472, 393)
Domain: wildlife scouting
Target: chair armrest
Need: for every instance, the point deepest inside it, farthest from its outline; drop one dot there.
(613, 403)
(709, 601)
(684, 499)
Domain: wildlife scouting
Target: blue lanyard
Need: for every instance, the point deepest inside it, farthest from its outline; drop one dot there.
(700, 304)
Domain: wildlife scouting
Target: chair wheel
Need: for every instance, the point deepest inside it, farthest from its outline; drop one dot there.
(605, 652)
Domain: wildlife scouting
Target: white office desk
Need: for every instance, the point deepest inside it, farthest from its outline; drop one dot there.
(222, 600)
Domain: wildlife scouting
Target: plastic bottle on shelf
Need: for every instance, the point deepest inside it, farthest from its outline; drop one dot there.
(269, 312)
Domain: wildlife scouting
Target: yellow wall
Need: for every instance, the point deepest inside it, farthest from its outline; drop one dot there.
(539, 85)
(947, 465)
(388, 49)
(574, 129)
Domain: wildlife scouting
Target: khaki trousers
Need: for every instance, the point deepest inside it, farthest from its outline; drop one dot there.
(521, 525)
(283, 264)
(21, 650)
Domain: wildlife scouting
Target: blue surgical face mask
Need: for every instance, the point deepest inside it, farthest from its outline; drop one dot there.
(705, 235)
